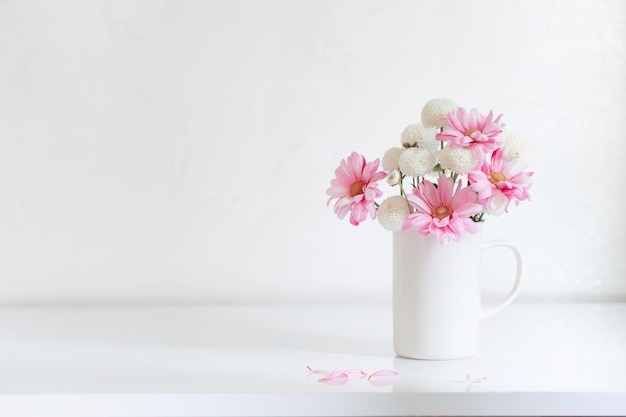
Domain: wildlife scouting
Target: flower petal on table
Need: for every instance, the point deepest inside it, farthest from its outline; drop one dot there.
(335, 378)
(354, 373)
(471, 380)
(318, 371)
(384, 377)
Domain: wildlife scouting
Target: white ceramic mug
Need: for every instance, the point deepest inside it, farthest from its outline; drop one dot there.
(437, 295)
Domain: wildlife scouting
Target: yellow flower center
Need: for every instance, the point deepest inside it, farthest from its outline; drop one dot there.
(441, 212)
(496, 177)
(469, 132)
(356, 188)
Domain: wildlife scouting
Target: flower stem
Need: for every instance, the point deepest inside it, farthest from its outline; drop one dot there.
(401, 184)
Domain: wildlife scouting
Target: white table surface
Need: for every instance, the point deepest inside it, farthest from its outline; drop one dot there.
(540, 359)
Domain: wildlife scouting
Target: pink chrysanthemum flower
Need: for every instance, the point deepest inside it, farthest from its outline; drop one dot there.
(474, 130)
(355, 188)
(442, 210)
(500, 182)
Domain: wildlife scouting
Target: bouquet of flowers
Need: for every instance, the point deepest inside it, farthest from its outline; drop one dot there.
(452, 169)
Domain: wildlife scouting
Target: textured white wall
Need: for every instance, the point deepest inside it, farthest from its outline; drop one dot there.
(179, 151)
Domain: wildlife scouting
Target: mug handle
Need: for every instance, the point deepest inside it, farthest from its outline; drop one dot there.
(518, 274)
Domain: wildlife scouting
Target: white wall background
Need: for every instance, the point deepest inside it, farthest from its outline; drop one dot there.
(164, 152)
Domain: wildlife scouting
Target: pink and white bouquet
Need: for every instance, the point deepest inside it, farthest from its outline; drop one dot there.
(452, 169)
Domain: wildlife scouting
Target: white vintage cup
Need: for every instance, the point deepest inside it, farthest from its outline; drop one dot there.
(437, 295)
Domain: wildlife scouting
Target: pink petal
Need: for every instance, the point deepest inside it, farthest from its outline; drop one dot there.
(474, 118)
(420, 203)
(354, 373)
(416, 221)
(471, 226)
(427, 191)
(357, 163)
(370, 174)
(318, 371)
(358, 214)
(471, 380)
(445, 190)
(441, 223)
(335, 378)
(455, 122)
(378, 176)
(384, 372)
(498, 160)
(384, 377)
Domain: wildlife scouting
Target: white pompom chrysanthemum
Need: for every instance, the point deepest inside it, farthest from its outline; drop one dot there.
(394, 177)
(416, 135)
(390, 159)
(459, 160)
(435, 111)
(392, 212)
(416, 162)
(517, 149)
